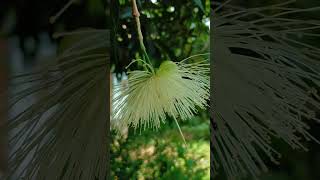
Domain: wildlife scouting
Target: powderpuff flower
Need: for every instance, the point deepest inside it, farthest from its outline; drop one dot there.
(174, 89)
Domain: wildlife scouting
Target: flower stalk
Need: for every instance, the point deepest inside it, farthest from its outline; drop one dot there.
(136, 16)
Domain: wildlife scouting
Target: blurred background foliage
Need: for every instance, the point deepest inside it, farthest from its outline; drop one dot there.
(27, 23)
(172, 30)
(162, 154)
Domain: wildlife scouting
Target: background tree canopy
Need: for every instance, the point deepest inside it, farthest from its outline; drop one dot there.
(173, 30)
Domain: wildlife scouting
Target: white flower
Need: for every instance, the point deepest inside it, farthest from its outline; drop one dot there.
(175, 89)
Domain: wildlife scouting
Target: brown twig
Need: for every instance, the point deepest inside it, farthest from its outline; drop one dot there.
(136, 15)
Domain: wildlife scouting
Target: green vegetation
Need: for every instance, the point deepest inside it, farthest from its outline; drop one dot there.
(162, 154)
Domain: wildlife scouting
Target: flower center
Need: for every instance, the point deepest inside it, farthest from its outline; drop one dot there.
(167, 67)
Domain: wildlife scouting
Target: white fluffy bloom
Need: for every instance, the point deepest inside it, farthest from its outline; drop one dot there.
(175, 89)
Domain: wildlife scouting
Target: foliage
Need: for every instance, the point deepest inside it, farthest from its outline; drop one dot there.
(163, 155)
(172, 30)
